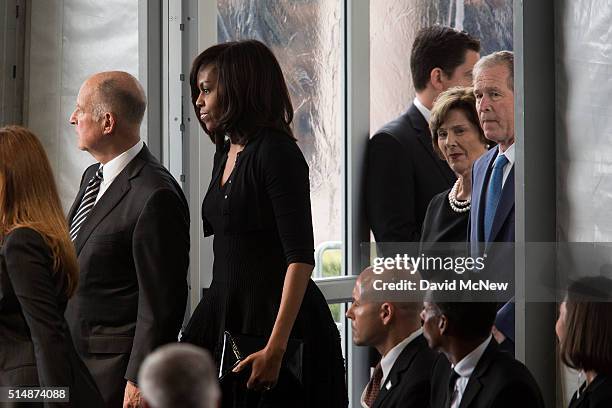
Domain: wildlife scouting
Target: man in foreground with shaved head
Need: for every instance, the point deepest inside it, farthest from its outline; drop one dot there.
(391, 324)
(130, 227)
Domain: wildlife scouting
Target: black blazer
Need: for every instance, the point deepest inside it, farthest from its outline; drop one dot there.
(598, 394)
(133, 252)
(403, 173)
(409, 378)
(498, 381)
(36, 348)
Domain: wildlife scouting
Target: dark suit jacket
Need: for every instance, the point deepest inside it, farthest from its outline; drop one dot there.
(36, 347)
(133, 253)
(498, 381)
(409, 378)
(598, 394)
(503, 223)
(403, 173)
(500, 261)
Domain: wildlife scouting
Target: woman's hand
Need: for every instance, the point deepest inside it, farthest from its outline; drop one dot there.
(265, 368)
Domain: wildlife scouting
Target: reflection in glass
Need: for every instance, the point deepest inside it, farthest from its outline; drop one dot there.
(393, 26)
(305, 37)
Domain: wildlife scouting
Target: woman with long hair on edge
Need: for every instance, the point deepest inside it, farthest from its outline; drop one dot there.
(38, 274)
(261, 299)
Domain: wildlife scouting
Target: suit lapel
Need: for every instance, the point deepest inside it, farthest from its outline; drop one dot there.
(475, 384)
(506, 203)
(484, 184)
(421, 127)
(473, 387)
(401, 364)
(111, 197)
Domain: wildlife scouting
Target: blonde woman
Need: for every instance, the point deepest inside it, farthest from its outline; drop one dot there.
(38, 274)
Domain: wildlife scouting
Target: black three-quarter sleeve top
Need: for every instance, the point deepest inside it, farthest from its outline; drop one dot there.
(268, 190)
(261, 221)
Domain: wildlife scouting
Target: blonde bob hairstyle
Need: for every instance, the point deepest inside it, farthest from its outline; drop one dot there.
(457, 98)
(28, 198)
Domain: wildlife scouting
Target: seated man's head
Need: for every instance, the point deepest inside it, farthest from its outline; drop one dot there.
(376, 321)
(446, 324)
(179, 375)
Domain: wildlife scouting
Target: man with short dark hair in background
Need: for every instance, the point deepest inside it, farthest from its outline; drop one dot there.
(402, 377)
(130, 227)
(179, 375)
(403, 173)
(471, 371)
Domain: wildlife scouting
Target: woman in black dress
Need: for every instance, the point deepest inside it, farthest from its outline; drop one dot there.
(458, 139)
(38, 273)
(584, 329)
(258, 208)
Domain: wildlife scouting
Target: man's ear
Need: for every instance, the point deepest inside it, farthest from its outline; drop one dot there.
(442, 324)
(436, 79)
(387, 312)
(109, 123)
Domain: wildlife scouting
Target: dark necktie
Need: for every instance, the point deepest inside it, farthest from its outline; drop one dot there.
(451, 388)
(373, 386)
(494, 191)
(87, 203)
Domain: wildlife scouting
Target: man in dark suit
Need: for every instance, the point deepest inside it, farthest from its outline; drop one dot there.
(492, 213)
(471, 371)
(130, 226)
(401, 378)
(403, 173)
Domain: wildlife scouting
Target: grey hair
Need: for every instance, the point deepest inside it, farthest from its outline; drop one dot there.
(122, 94)
(505, 58)
(179, 375)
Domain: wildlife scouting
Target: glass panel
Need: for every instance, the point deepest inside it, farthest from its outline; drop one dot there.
(305, 36)
(391, 90)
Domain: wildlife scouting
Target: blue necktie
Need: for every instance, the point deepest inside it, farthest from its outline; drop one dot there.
(494, 191)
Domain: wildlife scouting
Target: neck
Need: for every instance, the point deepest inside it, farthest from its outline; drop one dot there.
(396, 335)
(505, 145)
(590, 376)
(426, 97)
(115, 148)
(458, 349)
(464, 189)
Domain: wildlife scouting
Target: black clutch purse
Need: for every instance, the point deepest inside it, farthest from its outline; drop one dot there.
(236, 348)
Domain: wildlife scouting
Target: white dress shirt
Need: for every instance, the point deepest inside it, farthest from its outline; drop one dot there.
(465, 368)
(112, 169)
(509, 153)
(389, 359)
(424, 111)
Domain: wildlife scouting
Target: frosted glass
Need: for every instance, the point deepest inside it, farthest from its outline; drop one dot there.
(69, 41)
(393, 26)
(305, 37)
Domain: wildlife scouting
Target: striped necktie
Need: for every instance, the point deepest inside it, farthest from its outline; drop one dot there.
(87, 203)
(452, 388)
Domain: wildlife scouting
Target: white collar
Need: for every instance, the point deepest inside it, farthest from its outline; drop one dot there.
(424, 111)
(115, 166)
(509, 153)
(466, 366)
(389, 359)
